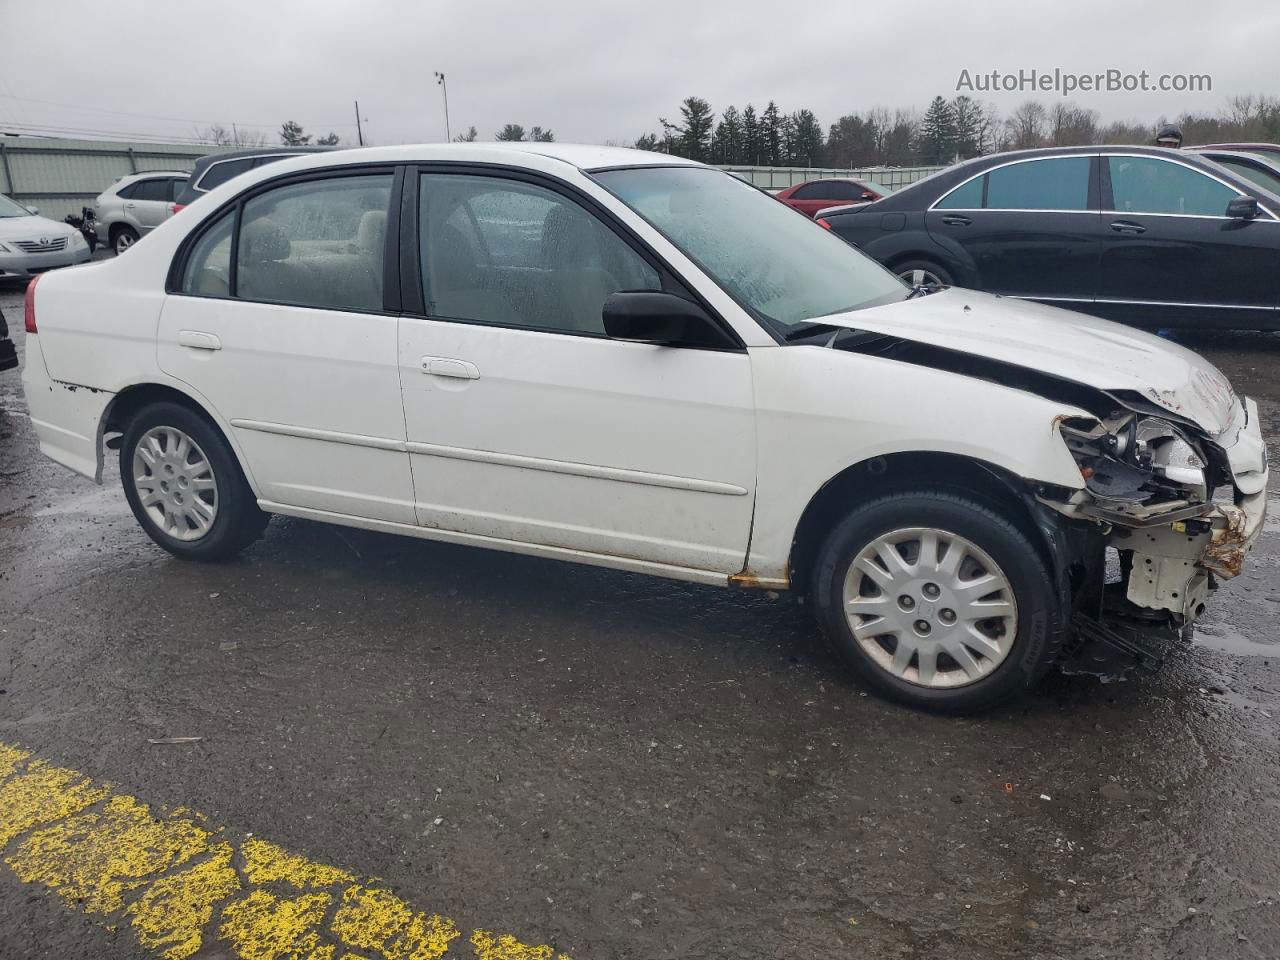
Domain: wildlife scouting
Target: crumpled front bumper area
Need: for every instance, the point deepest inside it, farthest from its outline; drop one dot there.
(1172, 563)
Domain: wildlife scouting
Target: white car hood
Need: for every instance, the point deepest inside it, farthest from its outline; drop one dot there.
(1070, 346)
(32, 228)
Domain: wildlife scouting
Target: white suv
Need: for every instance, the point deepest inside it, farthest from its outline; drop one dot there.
(135, 205)
(634, 361)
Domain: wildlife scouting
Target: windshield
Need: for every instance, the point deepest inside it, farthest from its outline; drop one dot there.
(777, 263)
(9, 208)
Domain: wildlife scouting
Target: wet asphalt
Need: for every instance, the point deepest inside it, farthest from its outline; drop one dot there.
(625, 767)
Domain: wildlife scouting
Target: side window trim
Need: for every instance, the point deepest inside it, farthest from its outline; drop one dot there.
(412, 281)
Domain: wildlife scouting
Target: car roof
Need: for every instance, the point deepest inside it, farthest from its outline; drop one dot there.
(142, 174)
(582, 156)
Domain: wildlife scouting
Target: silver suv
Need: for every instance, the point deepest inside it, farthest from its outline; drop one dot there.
(136, 204)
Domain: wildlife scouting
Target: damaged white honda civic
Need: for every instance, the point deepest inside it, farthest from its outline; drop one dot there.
(629, 360)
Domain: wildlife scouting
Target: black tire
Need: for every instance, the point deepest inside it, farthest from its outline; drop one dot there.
(1039, 631)
(931, 275)
(122, 238)
(237, 521)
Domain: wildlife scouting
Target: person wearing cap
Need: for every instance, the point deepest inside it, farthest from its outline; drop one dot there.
(1170, 137)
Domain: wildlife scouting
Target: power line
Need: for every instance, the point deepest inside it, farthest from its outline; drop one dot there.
(154, 116)
(41, 129)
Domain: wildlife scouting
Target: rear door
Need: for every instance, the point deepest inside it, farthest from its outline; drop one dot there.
(149, 202)
(282, 325)
(1030, 228)
(1171, 255)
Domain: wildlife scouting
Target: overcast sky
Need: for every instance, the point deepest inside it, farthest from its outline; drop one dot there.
(591, 71)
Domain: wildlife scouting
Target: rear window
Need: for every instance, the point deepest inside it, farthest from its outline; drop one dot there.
(150, 190)
(220, 171)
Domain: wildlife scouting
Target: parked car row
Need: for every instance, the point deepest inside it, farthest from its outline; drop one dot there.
(1146, 235)
(31, 244)
(638, 362)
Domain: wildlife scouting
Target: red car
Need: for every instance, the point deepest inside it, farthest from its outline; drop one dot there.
(814, 195)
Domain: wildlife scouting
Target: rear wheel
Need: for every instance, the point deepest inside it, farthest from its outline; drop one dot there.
(184, 485)
(924, 273)
(122, 238)
(937, 601)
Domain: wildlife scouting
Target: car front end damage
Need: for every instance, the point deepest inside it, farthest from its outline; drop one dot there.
(1179, 507)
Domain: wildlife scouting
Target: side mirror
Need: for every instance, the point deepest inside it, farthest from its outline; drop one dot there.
(34, 211)
(649, 316)
(868, 195)
(1243, 208)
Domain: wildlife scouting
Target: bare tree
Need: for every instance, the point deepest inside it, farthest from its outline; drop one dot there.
(1026, 126)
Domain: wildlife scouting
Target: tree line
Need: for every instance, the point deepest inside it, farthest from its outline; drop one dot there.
(946, 131)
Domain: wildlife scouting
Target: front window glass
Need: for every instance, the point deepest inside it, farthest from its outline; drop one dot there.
(1056, 183)
(1263, 178)
(316, 244)
(9, 208)
(786, 269)
(1152, 185)
(512, 253)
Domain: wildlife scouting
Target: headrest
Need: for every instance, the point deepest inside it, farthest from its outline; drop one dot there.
(262, 239)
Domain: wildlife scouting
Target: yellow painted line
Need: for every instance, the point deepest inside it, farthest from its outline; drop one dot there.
(181, 885)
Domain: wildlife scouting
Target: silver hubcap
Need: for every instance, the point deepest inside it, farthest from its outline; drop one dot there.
(930, 607)
(175, 483)
(124, 242)
(922, 278)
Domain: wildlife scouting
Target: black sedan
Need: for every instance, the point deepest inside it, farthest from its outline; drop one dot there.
(1148, 236)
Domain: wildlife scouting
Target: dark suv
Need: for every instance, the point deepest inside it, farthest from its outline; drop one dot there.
(217, 168)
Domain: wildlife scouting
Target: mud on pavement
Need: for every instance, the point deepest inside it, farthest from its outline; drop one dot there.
(578, 762)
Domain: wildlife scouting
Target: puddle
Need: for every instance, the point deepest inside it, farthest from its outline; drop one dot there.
(1226, 639)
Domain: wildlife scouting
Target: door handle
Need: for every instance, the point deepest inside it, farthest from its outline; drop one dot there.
(198, 340)
(448, 367)
(1128, 226)
(130, 206)
(955, 220)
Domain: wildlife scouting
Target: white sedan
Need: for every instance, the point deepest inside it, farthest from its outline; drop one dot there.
(630, 360)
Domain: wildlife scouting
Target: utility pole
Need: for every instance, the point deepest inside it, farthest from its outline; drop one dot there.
(359, 129)
(444, 87)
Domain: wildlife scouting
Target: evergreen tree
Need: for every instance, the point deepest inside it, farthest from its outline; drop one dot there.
(752, 138)
(695, 135)
(937, 139)
(291, 134)
(538, 135)
(469, 137)
(726, 145)
(771, 135)
(511, 132)
(807, 147)
(648, 141)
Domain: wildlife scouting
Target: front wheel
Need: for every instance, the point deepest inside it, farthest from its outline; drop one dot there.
(937, 601)
(924, 273)
(184, 485)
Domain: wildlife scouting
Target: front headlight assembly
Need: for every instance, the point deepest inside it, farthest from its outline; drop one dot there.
(1133, 459)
